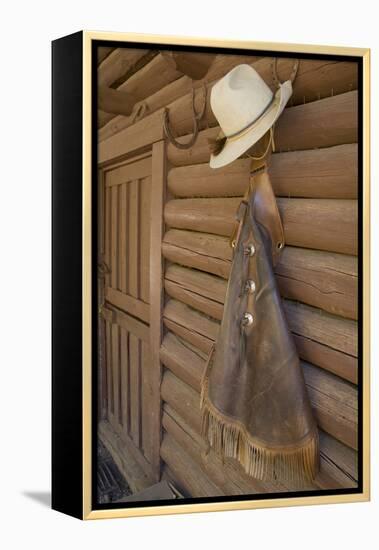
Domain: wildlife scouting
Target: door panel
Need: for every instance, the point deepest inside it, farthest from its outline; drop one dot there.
(125, 248)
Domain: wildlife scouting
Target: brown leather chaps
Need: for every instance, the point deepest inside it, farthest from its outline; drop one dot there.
(255, 406)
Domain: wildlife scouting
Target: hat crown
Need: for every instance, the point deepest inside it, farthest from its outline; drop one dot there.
(239, 98)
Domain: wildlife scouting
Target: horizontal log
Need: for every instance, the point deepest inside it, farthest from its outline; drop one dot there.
(186, 470)
(329, 173)
(117, 64)
(325, 123)
(322, 224)
(338, 462)
(181, 360)
(176, 89)
(315, 78)
(226, 474)
(191, 325)
(207, 215)
(335, 404)
(335, 332)
(210, 253)
(323, 339)
(322, 279)
(196, 289)
(113, 101)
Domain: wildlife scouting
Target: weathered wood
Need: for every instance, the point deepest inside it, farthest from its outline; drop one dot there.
(128, 322)
(324, 224)
(129, 304)
(123, 238)
(148, 414)
(335, 404)
(192, 64)
(327, 173)
(330, 172)
(114, 237)
(157, 200)
(227, 474)
(139, 136)
(186, 470)
(214, 215)
(135, 389)
(117, 64)
(323, 279)
(113, 101)
(190, 324)
(322, 344)
(102, 53)
(325, 123)
(315, 78)
(210, 253)
(124, 454)
(145, 236)
(167, 94)
(125, 377)
(181, 360)
(132, 169)
(338, 466)
(321, 223)
(326, 340)
(190, 287)
(116, 375)
(133, 231)
(335, 332)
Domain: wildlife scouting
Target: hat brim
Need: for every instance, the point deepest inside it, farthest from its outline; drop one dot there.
(234, 148)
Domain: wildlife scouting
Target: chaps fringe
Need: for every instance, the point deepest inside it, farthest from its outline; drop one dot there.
(229, 439)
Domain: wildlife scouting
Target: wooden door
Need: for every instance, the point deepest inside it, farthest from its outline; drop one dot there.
(129, 377)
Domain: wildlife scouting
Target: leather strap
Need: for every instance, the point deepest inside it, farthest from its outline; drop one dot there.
(266, 211)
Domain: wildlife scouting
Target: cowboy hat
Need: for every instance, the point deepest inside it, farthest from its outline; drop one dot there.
(245, 108)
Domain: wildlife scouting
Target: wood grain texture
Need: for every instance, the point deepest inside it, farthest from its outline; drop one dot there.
(325, 280)
(324, 123)
(171, 92)
(323, 224)
(331, 172)
(156, 260)
(338, 467)
(118, 63)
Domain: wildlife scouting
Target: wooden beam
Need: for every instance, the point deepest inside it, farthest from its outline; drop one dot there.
(157, 199)
(139, 136)
(172, 91)
(322, 224)
(117, 64)
(328, 173)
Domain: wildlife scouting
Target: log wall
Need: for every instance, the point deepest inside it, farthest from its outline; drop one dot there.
(314, 175)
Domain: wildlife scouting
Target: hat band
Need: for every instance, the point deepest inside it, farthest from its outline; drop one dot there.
(248, 127)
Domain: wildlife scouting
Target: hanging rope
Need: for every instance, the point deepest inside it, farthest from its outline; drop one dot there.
(195, 121)
(274, 70)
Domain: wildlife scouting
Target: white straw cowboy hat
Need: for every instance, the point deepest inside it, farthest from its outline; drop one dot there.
(245, 108)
